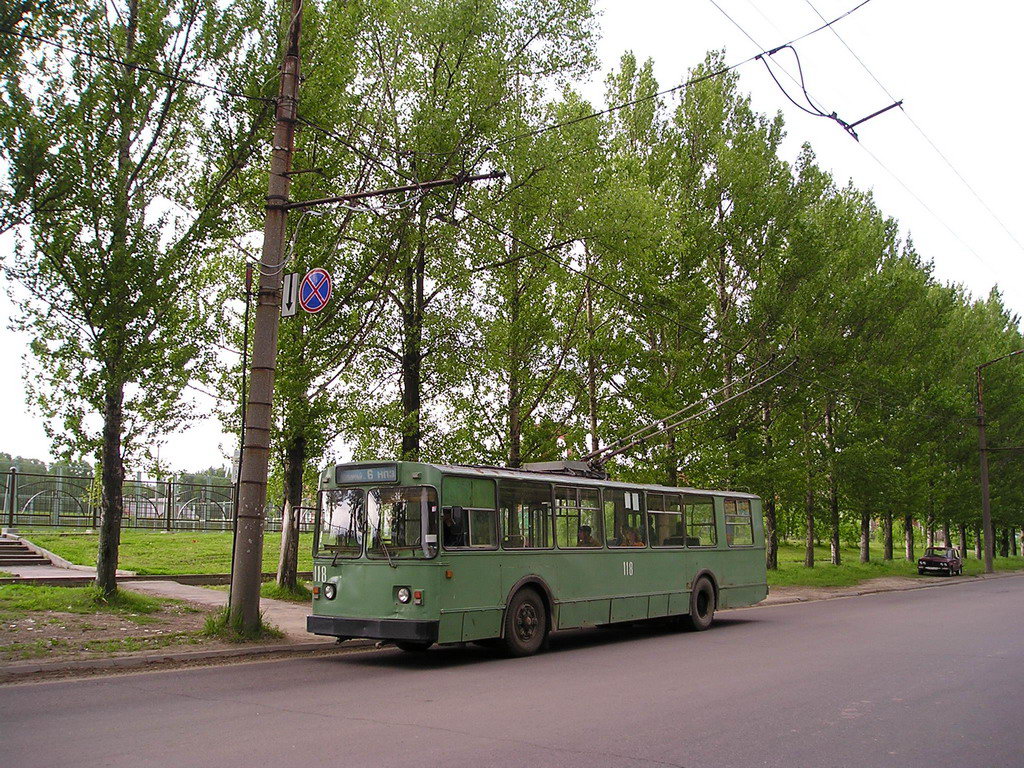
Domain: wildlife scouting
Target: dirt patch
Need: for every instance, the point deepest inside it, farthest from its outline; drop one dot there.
(64, 635)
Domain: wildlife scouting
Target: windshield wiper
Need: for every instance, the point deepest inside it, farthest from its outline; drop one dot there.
(383, 546)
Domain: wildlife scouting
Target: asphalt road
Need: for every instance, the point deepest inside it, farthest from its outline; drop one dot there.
(930, 677)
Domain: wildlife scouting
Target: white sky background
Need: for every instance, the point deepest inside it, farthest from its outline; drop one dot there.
(956, 66)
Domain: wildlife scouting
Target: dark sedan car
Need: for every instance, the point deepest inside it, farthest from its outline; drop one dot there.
(941, 560)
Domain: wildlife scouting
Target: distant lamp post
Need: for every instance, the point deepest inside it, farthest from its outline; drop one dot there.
(986, 508)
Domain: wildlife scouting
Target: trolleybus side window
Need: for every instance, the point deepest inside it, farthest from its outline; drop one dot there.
(665, 518)
(464, 528)
(342, 514)
(739, 528)
(525, 514)
(624, 518)
(577, 517)
(469, 517)
(700, 522)
(402, 522)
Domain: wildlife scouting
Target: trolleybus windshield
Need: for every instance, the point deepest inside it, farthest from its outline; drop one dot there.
(402, 522)
(342, 518)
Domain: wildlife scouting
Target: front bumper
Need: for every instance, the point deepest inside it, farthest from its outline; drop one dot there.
(378, 629)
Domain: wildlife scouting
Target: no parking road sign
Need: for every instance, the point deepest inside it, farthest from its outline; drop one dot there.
(315, 290)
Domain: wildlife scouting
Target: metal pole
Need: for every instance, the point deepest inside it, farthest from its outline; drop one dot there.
(241, 432)
(170, 500)
(986, 509)
(246, 566)
(12, 499)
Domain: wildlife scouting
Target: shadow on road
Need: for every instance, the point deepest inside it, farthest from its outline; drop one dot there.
(439, 657)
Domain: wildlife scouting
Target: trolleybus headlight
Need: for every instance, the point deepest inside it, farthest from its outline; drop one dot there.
(404, 595)
(330, 591)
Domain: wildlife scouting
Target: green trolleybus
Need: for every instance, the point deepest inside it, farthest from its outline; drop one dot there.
(418, 554)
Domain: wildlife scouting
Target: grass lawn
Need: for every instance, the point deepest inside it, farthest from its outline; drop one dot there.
(792, 572)
(153, 552)
(17, 600)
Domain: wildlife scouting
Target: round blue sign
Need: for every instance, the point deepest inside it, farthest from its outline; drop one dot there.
(315, 290)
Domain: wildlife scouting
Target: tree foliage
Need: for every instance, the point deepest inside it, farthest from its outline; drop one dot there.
(643, 255)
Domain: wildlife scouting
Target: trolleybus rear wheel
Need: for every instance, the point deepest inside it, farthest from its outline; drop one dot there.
(411, 646)
(702, 604)
(526, 624)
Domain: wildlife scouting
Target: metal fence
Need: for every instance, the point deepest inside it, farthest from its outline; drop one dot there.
(57, 501)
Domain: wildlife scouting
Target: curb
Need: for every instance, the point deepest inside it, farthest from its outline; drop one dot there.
(862, 592)
(20, 670)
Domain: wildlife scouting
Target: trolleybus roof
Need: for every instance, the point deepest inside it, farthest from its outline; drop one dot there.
(509, 473)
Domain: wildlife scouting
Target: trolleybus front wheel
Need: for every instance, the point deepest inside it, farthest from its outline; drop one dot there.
(526, 624)
(702, 604)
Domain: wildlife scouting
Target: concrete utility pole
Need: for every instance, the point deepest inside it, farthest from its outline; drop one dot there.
(247, 561)
(986, 508)
(247, 556)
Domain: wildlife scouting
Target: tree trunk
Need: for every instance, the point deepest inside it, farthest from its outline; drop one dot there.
(865, 537)
(809, 511)
(963, 540)
(887, 536)
(977, 542)
(771, 530)
(946, 540)
(833, 486)
(515, 423)
(671, 464)
(771, 534)
(112, 481)
(515, 426)
(809, 495)
(112, 472)
(908, 536)
(288, 562)
(1004, 542)
(1013, 541)
(595, 442)
(412, 348)
(833, 501)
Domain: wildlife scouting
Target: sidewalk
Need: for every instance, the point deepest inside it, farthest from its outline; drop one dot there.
(290, 618)
(786, 595)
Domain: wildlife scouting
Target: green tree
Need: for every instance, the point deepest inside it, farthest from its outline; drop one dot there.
(117, 272)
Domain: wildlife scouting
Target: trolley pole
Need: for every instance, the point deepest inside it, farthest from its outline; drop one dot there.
(247, 561)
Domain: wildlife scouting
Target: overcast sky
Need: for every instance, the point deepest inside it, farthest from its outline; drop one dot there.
(955, 65)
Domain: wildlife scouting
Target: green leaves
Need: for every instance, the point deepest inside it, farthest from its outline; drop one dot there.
(116, 230)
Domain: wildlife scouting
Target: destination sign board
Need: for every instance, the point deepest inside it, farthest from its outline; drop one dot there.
(386, 473)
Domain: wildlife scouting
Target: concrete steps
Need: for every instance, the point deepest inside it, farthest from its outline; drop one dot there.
(13, 552)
